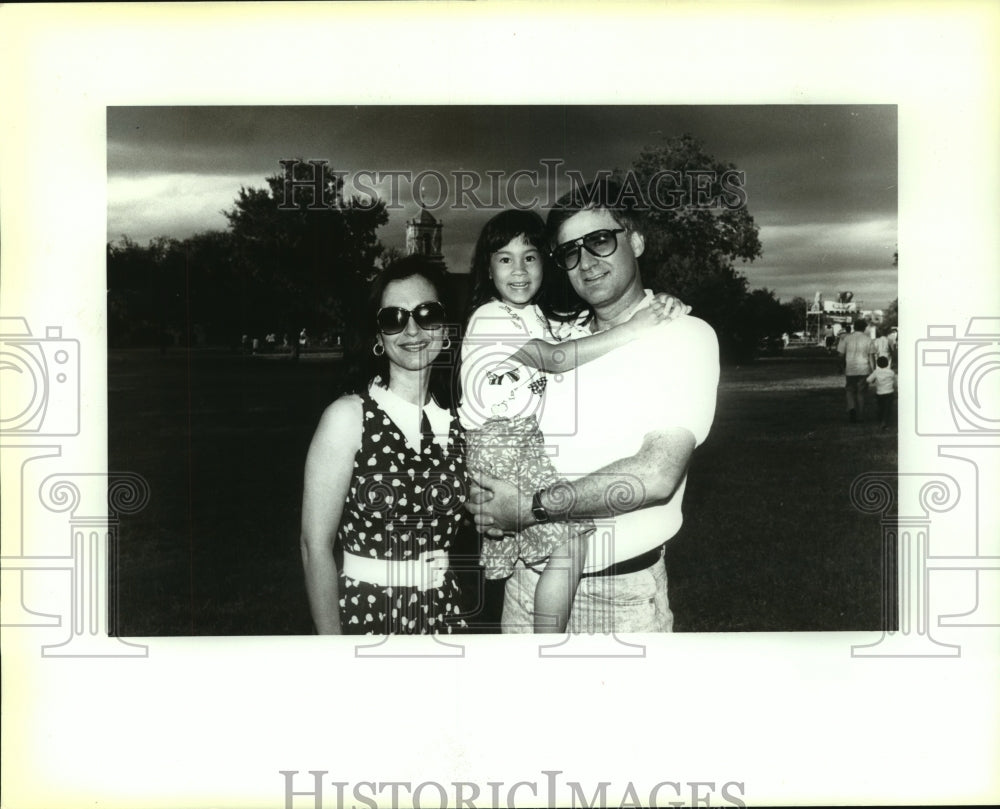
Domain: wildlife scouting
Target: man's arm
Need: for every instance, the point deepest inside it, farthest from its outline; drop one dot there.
(688, 350)
(842, 354)
(648, 478)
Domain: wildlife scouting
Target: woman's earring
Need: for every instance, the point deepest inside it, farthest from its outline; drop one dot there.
(378, 349)
(447, 343)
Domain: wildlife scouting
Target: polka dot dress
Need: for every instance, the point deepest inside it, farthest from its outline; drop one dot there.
(401, 503)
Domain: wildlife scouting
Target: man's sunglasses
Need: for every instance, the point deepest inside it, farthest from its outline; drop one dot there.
(600, 243)
(393, 319)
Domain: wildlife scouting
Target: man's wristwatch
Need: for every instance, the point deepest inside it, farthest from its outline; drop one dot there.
(537, 509)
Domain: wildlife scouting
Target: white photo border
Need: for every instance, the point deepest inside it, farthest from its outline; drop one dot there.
(796, 719)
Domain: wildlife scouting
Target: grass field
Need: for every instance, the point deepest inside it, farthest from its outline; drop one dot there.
(770, 541)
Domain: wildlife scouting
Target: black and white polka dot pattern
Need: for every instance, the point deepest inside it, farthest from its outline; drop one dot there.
(401, 503)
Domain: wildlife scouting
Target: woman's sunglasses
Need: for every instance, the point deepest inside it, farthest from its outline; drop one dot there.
(393, 319)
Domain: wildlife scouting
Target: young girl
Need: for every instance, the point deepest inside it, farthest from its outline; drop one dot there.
(508, 346)
(884, 380)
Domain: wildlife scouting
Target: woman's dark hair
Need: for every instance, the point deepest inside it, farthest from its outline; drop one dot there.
(362, 364)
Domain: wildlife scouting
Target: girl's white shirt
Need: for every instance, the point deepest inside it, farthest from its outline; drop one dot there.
(493, 385)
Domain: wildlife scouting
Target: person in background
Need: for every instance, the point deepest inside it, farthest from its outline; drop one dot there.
(884, 380)
(857, 357)
(882, 348)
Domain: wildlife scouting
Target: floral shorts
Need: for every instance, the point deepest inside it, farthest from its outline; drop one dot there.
(514, 449)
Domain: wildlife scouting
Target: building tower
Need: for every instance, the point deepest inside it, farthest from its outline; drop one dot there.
(423, 237)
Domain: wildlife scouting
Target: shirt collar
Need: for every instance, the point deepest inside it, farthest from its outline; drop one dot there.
(646, 298)
(407, 415)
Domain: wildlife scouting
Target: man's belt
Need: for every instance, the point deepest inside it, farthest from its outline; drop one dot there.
(633, 565)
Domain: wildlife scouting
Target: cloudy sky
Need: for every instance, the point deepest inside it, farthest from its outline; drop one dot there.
(821, 181)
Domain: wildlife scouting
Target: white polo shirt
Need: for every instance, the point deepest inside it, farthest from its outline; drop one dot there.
(602, 411)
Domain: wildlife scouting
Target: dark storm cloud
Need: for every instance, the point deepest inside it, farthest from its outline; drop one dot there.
(821, 180)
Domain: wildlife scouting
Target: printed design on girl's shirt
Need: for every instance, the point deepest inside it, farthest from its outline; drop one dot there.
(537, 379)
(497, 379)
(519, 320)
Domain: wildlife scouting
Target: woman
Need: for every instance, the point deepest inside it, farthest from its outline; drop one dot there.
(385, 474)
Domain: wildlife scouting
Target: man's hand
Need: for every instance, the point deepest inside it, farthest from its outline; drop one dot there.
(495, 505)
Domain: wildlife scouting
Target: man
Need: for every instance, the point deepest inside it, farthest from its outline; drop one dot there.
(830, 339)
(624, 428)
(857, 354)
(893, 338)
(881, 340)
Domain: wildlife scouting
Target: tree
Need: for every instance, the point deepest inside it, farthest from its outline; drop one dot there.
(277, 268)
(795, 314)
(696, 226)
(146, 291)
(132, 303)
(388, 256)
(890, 317)
(302, 259)
(213, 285)
(760, 315)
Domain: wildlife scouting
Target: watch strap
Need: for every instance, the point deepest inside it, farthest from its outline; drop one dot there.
(537, 509)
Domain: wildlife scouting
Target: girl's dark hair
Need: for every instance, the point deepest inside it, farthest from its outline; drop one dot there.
(362, 364)
(497, 234)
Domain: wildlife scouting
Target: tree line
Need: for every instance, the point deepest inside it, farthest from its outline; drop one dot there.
(281, 270)
(270, 270)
